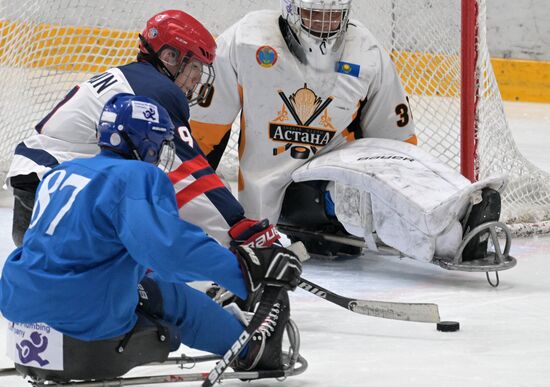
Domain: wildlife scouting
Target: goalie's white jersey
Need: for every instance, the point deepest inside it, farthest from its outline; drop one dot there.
(291, 112)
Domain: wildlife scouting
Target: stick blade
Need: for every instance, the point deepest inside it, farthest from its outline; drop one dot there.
(428, 313)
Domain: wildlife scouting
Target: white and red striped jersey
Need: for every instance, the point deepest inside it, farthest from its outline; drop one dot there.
(69, 131)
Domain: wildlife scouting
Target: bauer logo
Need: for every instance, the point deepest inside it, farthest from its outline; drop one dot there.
(266, 56)
(251, 255)
(385, 157)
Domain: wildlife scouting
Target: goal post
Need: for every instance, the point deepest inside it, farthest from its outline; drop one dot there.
(439, 48)
(469, 86)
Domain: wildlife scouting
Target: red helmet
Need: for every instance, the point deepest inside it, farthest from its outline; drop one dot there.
(181, 31)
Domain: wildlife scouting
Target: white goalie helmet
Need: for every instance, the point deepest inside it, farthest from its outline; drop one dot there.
(320, 27)
(319, 19)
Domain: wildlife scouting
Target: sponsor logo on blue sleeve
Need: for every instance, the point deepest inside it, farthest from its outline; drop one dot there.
(348, 68)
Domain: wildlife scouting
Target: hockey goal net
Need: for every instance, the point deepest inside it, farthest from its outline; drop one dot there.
(47, 46)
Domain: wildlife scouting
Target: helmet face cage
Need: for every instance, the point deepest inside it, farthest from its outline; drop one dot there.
(167, 155)
(203, 88)
(318, 19)
(137, 128)
(188, 66)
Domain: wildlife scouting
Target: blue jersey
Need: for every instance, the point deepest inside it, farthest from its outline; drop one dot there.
(69, 132)
(97, 225)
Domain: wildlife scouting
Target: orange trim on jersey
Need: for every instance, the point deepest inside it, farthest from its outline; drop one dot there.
(208, 135)
(412, 140)
(198, 187)
(347, 135)
(187, 168)
(240, 181)
(240, 91)
(350, 137)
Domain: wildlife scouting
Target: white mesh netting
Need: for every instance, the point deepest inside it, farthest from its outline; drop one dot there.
(526, 201)
(48, 46)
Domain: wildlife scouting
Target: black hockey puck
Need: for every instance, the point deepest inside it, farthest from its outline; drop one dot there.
(299, 152)
(448, 326)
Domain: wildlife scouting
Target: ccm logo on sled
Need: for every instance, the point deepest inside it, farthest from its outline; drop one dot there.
(313, 290)
(224, 362)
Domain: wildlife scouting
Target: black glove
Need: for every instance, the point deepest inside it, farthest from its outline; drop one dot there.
(269, 265)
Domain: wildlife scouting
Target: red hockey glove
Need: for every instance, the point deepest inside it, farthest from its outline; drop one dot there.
(249, 232)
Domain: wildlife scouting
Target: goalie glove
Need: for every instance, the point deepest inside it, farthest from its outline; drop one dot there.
(253, 233)
(274, 266)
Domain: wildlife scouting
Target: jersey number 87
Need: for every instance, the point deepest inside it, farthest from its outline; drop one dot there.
(53, 183)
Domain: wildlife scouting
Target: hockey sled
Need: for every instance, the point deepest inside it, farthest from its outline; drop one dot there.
(494, 261)
(105, 362)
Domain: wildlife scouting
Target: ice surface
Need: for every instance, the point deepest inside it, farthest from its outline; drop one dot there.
(504, 338)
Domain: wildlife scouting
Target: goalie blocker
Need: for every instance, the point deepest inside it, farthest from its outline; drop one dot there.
(390, 193)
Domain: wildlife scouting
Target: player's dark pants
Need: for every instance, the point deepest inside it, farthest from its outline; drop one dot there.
(308, 205)
(24, 190)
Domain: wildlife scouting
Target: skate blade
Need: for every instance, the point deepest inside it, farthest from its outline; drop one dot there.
(486, 264)
(498, 260)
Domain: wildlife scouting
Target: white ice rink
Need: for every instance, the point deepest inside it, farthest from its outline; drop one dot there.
(504, 338)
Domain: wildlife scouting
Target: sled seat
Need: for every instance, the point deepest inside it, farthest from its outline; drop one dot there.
(149, 342)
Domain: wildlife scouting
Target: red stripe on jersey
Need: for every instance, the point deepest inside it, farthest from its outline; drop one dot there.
(198, 187)
(187, 168)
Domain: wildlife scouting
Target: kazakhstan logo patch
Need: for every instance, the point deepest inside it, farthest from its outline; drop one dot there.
(348, 68)
(266, 56)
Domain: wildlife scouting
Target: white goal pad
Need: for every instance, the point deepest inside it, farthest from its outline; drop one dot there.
(415, 203)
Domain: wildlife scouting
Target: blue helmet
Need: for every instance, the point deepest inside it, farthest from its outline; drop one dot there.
(135, 127)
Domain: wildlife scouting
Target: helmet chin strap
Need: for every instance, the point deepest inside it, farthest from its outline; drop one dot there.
(131, 145)
(323, 47)
(292, 41)
(155, 58)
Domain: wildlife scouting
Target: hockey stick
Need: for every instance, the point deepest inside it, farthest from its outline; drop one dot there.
(391, 310)
(269, 297)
